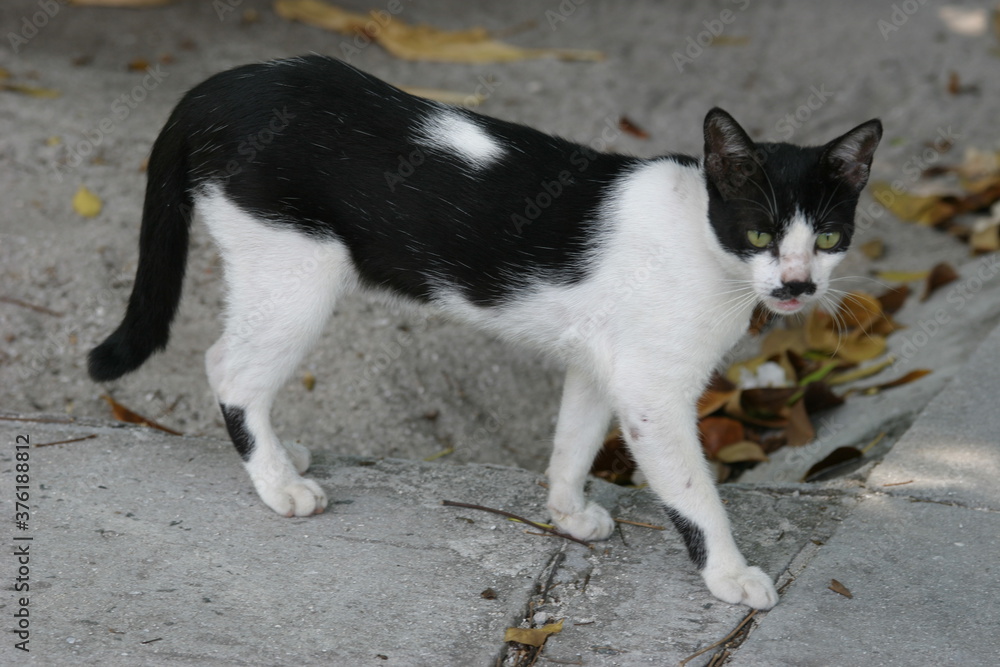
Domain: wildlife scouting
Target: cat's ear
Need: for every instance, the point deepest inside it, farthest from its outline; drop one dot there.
(729, 153)
(849, 157)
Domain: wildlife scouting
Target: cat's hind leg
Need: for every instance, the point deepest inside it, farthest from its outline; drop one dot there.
(281, 287)
(583, 421)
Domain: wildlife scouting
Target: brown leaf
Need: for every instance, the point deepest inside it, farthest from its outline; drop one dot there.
(532, 636)
(912, 376)
(123, 414)
(741, 452)
(419, 42)
(309, 381)
(874, 249)
(614, 463)
(718, 432)
(893, 299)
(767, 402)
(628, 127)
(835, 460)
(819, 397)
(940, 275)
(859, 310)
(838, 587)
(716, 395)
(800, 430)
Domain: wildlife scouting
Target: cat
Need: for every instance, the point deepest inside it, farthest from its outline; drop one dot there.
(639, 274)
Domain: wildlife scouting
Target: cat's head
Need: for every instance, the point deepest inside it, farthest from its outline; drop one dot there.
(785, 212)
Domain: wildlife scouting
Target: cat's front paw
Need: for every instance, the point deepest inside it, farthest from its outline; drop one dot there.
(592, 523)
(296, 497)
(743, 585)
(300, 455)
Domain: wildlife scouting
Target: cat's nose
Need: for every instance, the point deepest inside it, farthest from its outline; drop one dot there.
(793, 289)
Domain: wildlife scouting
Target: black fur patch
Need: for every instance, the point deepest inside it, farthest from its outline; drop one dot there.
(693, 536)
(236, 425)
(317, 144)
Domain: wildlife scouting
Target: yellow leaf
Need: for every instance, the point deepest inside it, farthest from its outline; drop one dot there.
(445, 96)
(86, 203)
(31, 91)
(902, 276)
(740, 452)
(532, 636)
(926, 210)
(860, 373)
(419, 42)
(859, 346)
(309, 381)
(53, 141)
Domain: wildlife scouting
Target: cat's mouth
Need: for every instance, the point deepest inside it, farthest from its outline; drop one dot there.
(786, 307)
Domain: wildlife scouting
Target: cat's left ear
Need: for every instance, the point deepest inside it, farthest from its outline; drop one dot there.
(849, 157)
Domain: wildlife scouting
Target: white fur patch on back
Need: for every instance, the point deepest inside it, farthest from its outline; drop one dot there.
(450, 132)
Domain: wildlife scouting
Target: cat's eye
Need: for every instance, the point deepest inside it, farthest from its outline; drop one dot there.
(758, 239)
(828, 240)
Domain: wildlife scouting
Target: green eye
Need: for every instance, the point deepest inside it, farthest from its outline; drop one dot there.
(828, 240)
(758, 239)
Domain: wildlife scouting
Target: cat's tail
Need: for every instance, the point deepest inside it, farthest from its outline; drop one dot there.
(163, 247)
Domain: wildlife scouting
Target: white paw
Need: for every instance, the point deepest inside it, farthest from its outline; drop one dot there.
(297, 497)
(592, 523)
(300, 455)
(742, 585)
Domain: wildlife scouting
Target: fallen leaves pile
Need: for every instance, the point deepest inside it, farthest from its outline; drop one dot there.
(944, 193)
(762, 404)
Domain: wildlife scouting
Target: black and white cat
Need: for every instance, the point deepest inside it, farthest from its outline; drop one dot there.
(638, 273)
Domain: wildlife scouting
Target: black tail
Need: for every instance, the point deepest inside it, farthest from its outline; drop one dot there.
(163, 246)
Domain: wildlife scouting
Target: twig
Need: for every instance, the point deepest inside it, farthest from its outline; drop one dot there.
(150, 641)
(721, 641)
(66, 442)
(540, 526)
(899, 483)
(24, 304)
(640, 524)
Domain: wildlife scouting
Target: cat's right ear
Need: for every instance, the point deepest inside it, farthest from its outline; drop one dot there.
(729, 153)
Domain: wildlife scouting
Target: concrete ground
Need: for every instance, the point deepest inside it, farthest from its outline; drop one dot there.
(142, 537)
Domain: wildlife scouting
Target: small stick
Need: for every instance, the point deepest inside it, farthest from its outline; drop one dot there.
(540, 526)
(150, 641)
(66, 442)
(24, 304)
(640, 524)
(721, 641)
(899, 483)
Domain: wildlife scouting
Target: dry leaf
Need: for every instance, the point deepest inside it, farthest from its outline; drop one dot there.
(716, 395)
(532, 636)
(861, 373)
(614, 463)
(446, 96)
(719, 432)
(940, 275)
(31, 91)
(838, 587)
(901, 276)
(912, 376)
(819, 397)
(309, 381)
(419, 42)
(123, 414)
(120, 3)
(741, 452)
(874, 249)
(928, 210)
(628, 127)
(892, 299)
(800, 430)
(86, 203)
(835, 460)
